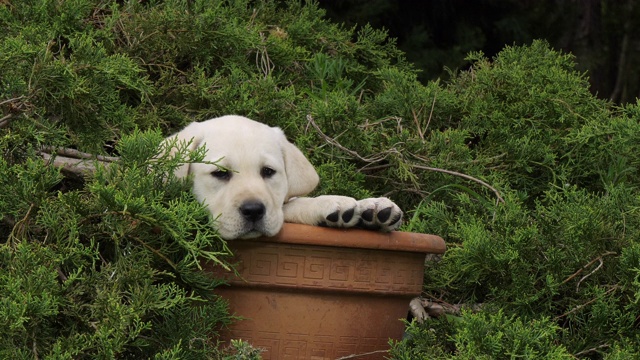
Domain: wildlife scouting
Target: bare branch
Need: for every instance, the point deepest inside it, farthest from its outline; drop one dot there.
(384, 155)
(19, 229)
(614, 288)
(75, 166)
(11, 100)
(591, 273)
(339, 146)
(584, 352)
(72, 153)
(433, 105)
(415, 119)
(599, 258)
(4, 121)
(464, 176)
(436, 309)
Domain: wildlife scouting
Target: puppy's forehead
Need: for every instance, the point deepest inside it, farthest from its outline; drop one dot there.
(240, 131)
(243, 161)
(244, 143)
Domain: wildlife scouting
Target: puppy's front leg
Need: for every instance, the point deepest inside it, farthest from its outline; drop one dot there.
(344, 212)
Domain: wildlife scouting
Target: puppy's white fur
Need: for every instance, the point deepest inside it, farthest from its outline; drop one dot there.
(266, 171)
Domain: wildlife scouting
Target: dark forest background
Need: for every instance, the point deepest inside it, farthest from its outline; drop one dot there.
(438, 34)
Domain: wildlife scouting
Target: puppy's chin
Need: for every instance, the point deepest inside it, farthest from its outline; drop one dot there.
(254, 233)
(250, 235)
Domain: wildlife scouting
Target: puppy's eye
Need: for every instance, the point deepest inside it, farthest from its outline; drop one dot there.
(267, 172)
(221, 174)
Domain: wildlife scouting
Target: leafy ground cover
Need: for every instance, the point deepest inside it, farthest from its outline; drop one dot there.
(531, 180)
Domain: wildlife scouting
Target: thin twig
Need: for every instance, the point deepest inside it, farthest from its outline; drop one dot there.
(354, 356)
(464, 176)
(478, 161)
(374, 168)
(398, 121)
(380, 157)
(583, 352)
(61, 275)
(599, 258)
(19, 229)
(433, 105)
(589, 274)
(614, 288)
(339, 146)
(11, 100)
(4, 121)
(415, 119)
(34, 346)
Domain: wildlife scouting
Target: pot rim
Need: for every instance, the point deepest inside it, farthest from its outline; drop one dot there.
(356, 238)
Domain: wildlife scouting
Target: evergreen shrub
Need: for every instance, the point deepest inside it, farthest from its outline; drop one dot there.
(530, 179)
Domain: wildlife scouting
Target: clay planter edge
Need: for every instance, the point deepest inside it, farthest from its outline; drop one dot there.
(319, 293)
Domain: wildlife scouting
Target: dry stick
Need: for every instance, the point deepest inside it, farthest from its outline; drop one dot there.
(583, 352)
(354, 356)
(599, 258)
(61, 275)
(72, 153)
(415, 119)
(11, 100)
(464, 176)
(614, 288)
(476, 161)
(4, 121)
(371, 160)
(75, 166)
(74, 161)
(433, 105)
(398, 121)
(438, 309)
(589, 274)
(338, 145)
(19, 228)
(34, 346)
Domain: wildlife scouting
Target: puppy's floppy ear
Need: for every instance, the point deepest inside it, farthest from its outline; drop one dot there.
(191, 133)
(302, 178)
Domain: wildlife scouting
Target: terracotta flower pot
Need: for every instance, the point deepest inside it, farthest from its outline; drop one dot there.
(320, 293)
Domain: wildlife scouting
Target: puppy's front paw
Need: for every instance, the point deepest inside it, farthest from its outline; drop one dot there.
(344, 212)
(379, 214)
(340, 211)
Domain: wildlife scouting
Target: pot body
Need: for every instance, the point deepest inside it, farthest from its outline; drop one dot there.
(306, 299)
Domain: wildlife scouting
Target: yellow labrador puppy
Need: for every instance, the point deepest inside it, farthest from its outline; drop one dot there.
(262, 179)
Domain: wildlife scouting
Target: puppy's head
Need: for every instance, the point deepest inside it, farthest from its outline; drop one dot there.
(258, 170)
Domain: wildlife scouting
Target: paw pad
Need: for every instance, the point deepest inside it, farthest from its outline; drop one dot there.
(348, 215)
(384, 214)
(334, 216)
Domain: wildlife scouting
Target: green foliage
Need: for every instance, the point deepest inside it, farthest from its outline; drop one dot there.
(489, 335)
(564, 242)
(240, 350)
(111, 269)
(530, 179)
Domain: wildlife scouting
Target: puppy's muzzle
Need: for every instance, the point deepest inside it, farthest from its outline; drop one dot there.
(252, 211)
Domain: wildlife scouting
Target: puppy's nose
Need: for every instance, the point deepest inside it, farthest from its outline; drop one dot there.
(252, 210)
